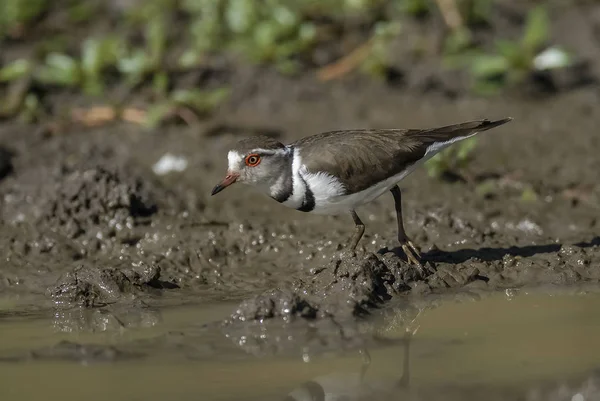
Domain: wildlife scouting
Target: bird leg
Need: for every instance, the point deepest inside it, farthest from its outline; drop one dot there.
(366, 362)
(410, 250)
(358, 231)
(405, 379)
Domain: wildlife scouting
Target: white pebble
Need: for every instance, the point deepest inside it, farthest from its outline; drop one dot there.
(551, 58)
(169, 163)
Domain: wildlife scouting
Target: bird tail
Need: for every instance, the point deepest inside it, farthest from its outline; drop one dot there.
(484, 125)
(457, 132)
(434, 140)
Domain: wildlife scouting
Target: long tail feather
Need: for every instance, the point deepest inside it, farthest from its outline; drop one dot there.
(457, 131)
(437, 139)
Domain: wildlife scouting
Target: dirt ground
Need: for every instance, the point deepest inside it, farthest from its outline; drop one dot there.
(85, 221)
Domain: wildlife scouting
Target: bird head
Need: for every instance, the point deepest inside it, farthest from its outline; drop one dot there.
(257, 161)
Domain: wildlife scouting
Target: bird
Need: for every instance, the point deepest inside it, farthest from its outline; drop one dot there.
(335, 172)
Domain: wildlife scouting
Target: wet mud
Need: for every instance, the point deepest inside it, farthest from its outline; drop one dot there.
(86, 221)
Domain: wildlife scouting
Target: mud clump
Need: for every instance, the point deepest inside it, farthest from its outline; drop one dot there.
(284, 303)
(80, 221)
(346, 286)
(96, 204)
(91, 286)
(351, 286)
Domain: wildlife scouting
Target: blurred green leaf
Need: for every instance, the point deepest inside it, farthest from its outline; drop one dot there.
(59, 69)
(487, 88)
(537, 29)
(357, 5)
(157, 113)
(489, 66)
(416, 8)
(201, 101)
(96, 55)
(265, 37)
(454, 157)
(82, 11)
(16, 12)
(465, 148)
(284, 16)
(377, 63)
(31, 108)
(287, 67)
(479, 11)
(385, 30)
(307, 32)
(15, 70)
(437, 165)
(458, 41)
(460, 60)
(529, 195)
(190, 58)
(205, 8)
(511, 51)
(241, 15)
(92, 57)
(134, 66)
(206, 34)
(156, 40)
(160, 83)
(52, 44)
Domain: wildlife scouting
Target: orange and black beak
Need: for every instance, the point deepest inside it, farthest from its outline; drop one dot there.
(229, 179)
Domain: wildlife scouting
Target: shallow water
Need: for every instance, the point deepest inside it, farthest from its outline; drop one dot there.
(500, 346)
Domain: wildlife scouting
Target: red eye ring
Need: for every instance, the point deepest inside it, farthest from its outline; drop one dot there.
(252, 160)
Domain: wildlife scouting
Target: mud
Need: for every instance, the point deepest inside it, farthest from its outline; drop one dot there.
(85, 221)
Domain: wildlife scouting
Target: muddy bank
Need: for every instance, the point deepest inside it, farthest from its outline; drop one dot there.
(86, 221)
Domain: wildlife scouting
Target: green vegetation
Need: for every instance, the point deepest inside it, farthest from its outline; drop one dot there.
(514, 60)
(454, 158)
(154, 44)
(93, 47)
(15, 13)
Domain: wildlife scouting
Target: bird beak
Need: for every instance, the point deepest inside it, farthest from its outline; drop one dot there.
(229, 179)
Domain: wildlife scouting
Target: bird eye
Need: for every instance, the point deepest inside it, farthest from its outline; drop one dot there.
(252, 160)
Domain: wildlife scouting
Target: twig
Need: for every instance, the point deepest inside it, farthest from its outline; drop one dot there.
(187, 115)
(346, 64)
(136, 116)
(450, 13)
(100, 115)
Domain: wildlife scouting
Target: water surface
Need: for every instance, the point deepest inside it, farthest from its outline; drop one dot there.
(506, 343)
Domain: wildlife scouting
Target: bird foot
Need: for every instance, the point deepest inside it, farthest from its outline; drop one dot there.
(412, 253)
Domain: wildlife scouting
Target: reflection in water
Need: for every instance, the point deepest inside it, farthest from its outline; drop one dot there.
(106, 319)
(515, 345)
(309, 339)
(355, 387)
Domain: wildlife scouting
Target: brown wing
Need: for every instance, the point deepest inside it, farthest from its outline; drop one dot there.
(361, 158)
